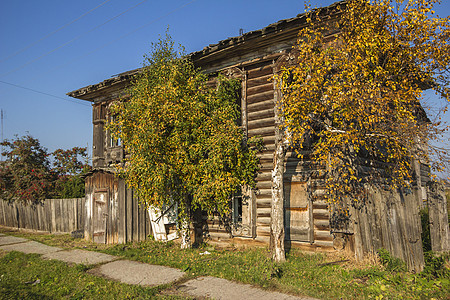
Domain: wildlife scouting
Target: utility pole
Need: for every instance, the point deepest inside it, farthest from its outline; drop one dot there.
(1, 153)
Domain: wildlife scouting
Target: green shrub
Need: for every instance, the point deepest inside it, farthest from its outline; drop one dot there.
(392, 264)
(426, 237)
(435, 265)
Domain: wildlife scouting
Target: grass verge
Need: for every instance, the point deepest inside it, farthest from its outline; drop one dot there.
(302, 274)
(27, 276)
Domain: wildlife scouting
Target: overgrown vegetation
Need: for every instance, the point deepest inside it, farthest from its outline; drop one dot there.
(392, 264)
(31, 174)
(302, 273)
(436, 264)
(425, 222)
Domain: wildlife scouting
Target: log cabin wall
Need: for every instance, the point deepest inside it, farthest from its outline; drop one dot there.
(306, 221)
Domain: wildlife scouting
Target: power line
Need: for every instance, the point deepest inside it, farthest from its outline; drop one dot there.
(122, 36)
(43, 93)
(72, 40)
(52, 33)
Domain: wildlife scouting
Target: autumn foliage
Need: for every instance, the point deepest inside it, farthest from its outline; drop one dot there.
(353, 96)
(181, 137)
(31, 174)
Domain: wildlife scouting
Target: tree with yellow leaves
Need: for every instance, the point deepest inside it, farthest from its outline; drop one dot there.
(353, 96)
(182, 139)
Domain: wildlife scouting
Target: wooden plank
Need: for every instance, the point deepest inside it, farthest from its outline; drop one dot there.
(262, 105)
(254, 99)
(8, 213)
(51, 209)
(112, 229)
(261, 80)
(138, 223)
(22, 216)
(38, 217)
(359, 253)
(266, 122)
(265, 131)
(44, 216)
(4, 213)
(134, 226)
(264, 70)
(69, 213)
(88, 233)
(414, 251)
(64, 215)
(34, 213)
(16, 215)
(80, 213)
(31, 210)
(12, 214)
(261, 114)
(438, 217)
(148, 228)
(59, 221)
(121, 213)
(263, 88)
(129, 215)
(44, 224)
(28, 215)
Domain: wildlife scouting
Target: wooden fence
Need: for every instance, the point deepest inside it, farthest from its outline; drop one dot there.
(388, 220)
(437, 208)
(52, 215)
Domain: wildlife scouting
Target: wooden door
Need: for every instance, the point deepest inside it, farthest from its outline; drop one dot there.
(100, 216)
(298, 213)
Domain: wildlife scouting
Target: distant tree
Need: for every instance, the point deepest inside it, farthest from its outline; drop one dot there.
(70, 165)
(182, 138)
(355, 99)
(25, 175)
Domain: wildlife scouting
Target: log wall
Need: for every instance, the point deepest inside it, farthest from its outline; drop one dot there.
(257, 108)
(52, 215)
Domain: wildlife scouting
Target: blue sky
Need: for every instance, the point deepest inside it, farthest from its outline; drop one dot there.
(91, 50)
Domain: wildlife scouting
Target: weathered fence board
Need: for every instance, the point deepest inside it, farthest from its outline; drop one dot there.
(437, 208)
(389, 220)
(52, 215)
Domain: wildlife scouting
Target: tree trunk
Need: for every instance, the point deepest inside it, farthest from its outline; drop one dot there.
(184, 225)
(277, 211)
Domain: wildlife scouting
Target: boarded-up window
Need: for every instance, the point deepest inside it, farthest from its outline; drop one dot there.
(297, 212)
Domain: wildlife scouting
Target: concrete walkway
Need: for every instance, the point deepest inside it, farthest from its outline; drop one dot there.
(132, 272)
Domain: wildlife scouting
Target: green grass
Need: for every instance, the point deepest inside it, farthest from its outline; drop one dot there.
(302, 274)
(27, 276)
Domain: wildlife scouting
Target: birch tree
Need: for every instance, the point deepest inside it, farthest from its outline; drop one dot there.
(181, 137)
(357, 94)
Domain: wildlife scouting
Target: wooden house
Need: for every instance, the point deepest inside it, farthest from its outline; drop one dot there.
(254, 58)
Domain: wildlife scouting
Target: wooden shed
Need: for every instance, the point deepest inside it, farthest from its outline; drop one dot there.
(112, 214)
